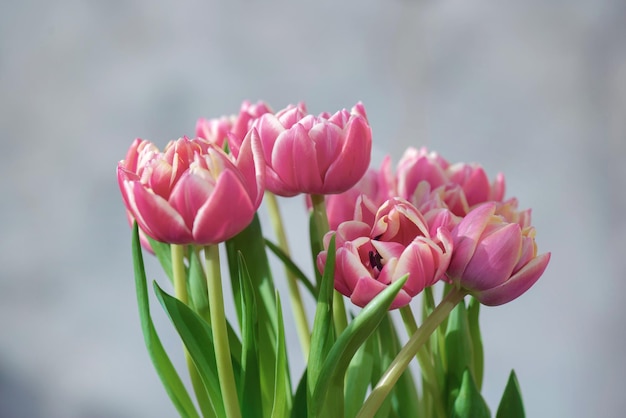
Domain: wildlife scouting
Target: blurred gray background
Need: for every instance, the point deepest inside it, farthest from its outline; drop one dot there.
(534, 89)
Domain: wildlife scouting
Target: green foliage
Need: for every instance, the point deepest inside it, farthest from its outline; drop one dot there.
(166, 371)
(328, 392)
(478, 361)
(511, 405)
(469, 403)
(292, 267)
(458, 350)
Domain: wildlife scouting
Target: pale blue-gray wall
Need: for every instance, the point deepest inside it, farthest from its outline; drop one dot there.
(534, 89)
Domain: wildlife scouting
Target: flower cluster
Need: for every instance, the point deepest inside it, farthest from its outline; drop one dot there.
(195, 193)
(380, 237)
(460, 230)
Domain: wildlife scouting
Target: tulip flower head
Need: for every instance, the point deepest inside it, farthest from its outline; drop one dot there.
(495, 260)
(192, 192)
(315, 155)
(394, 242)
(232, 128)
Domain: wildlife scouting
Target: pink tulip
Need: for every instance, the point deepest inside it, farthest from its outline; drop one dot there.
(192, 193)
(215, 130)
(475, 183)
(375, 186)
(372, 255)
(495, 260)
(315, 155)
(234, 128)
(418, 166)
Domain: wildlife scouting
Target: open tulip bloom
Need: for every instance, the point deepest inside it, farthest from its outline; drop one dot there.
(380, 238)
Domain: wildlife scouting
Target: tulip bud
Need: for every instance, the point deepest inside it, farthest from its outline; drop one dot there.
(496, 261)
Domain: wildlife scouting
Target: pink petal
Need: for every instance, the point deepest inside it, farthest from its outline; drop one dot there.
(294, 160)
(354, 159)
(251, 163)
(269, 128)
(156, 217)
(494, 259)
(516, 285)
(466, 235)
(192, 192)
(226, 213)
(349, 268)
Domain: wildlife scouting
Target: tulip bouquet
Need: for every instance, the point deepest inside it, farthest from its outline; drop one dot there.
(379, 237)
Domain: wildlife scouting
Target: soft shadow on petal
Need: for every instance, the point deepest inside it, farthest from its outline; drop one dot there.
(516, 285)
(227, 212)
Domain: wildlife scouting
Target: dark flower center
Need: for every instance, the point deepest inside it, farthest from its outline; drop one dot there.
(375, 260)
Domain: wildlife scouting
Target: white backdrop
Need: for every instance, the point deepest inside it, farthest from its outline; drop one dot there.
(534, 89)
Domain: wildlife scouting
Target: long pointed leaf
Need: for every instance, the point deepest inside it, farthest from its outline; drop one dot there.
(249, 388)
(198, 340)
(164, 255)
(469, 403)
(166, 371)
(282, 389)
(478, 362)
(323, 334)
(511, 404)
(358, 377)
(251, 244)
(330, 381)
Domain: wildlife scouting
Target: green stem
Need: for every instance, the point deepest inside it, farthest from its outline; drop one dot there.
(297, 306)
(423, 358)
(411, 348)
(178, 270)
(220, 332)
(321, 221)
(180, 290)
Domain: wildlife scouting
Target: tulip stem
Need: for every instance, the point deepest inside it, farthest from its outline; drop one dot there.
(410, 349)
(321, 221)
(180, 290)
(220, 332)
(294, 293)
(426, 366)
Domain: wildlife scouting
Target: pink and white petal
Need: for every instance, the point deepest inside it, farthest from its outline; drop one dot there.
(354, 159)
(465, 236)
(328, 143)
(251, 163)
(366, 289)
(268, 128)
(156, 216)
(516, 285)
(494, 259)
(226, 213)
(350, 267)
(295, 162)
(192, 192)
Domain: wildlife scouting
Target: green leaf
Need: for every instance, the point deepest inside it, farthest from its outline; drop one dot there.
(166, 371)
(317, 246)
(323, 334)
(198, 292)
(384, 359)
(358, 377)
(249, 388)
(198, 340)
(299, 409)
(469, 403)
(288, 262)
(478, 360)
(458, 349)
(251, 244)
(328, 393)
(404, 397)
(511, 405)
(164, 255)
(282, 389)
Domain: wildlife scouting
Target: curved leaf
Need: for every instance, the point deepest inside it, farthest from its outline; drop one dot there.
(166, 371)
